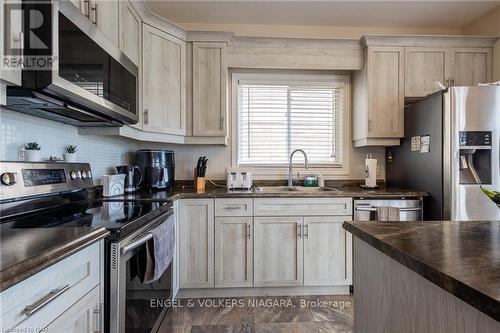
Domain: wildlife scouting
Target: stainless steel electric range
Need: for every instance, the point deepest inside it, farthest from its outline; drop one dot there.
(56, 195)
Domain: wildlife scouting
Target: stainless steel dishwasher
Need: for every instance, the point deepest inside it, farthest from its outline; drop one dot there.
(366, 209)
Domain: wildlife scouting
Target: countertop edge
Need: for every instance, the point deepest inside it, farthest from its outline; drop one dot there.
(14, 274)
(466, 293)
(193, 195)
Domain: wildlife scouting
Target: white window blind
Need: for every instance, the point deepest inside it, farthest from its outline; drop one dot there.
(274, 118)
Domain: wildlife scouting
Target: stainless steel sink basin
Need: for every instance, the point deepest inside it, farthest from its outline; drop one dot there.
(296, 189)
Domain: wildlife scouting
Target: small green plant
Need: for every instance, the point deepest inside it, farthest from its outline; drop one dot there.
(32, 146)
(71, 149)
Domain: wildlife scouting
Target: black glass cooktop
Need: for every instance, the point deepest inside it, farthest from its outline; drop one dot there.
(119, 217)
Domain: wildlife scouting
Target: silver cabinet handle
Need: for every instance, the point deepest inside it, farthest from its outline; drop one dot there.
(98, 318)
(306, 231)
(299, 230)
(35, 307)
(94, 10)
(146, 117)
(248, 231)
(86, 3)
(374, 209)
(232, 207)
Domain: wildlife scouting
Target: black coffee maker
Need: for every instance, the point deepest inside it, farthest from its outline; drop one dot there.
(157, 167)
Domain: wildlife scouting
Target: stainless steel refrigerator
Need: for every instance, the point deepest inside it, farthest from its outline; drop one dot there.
(451, 148)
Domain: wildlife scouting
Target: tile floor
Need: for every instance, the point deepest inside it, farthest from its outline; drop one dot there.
(261, 315)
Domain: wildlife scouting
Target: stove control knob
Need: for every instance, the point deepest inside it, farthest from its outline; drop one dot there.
(84, 174)
(73, 175)
(89, 174)
(8, 178)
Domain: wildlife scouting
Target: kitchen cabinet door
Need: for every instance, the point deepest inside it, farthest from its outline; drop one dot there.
(105, 14)
(278, 252)
(209, 89)
(163, 82)
(196, 237)
(424, 66)
(233, 251)
(385, 92)
(12, 43)
(85, 316)
(327, 251)
(471, 66)
(130, 32)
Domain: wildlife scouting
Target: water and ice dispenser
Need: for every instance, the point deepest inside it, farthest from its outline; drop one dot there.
(475, 157)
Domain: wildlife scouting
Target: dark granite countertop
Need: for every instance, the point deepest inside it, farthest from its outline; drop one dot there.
(24, 252)
(463, 258)
(219, 192)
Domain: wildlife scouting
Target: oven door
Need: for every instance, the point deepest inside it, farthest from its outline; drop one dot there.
(87, 69)
(131, 305)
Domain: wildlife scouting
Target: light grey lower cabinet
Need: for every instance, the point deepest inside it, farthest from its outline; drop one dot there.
(224, 243)
(327, 251)
(196, 238)
(83, 317)
(278, 252)
(65, 297)
(234, 251)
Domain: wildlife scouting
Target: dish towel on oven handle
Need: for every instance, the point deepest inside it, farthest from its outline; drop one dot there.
(160, 250)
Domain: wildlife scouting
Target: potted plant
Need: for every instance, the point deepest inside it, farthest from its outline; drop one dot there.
(32, 151)
(70, 155)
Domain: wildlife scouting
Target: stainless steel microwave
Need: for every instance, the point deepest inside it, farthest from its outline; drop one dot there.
(72, 72)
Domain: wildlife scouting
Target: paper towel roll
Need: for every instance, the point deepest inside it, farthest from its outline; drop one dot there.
(371, 172)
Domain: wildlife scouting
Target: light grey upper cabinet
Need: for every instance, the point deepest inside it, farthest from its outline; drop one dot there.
(104, 14)
(379, 98)
(163, 82)
(457, 66)
(130, 32)
(424, 66)
(209, 89)
(11, 38)
(471, 66)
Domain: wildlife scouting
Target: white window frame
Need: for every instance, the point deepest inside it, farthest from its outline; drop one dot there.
(281, 171)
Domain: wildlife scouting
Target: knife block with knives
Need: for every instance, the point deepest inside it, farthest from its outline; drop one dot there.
(199, 174)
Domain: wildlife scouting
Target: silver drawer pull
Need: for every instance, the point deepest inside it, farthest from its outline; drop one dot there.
(35, 307)
(374, 209)
(232, 207)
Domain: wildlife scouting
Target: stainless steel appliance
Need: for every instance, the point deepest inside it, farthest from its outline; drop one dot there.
(57, 195)
(158, 168)
(461, 127)
(73, 73)
(409, 209)
(133, 177)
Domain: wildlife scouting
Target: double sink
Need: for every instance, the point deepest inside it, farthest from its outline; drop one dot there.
(298, 189)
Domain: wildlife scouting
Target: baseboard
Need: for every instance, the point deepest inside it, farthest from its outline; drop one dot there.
(274, 291)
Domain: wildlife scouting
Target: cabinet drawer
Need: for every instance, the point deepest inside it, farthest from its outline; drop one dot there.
(302, 206)
(234, 207)
(52, 291)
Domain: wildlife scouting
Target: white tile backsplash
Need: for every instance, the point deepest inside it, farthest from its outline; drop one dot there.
(102, 152)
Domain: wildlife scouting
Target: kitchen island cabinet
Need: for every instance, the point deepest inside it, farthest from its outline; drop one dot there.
(437, 276)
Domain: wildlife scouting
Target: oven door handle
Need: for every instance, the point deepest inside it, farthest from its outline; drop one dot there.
(374, 209)
(136, 243)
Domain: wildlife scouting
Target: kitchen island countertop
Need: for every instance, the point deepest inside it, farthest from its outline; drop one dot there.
(462, 258)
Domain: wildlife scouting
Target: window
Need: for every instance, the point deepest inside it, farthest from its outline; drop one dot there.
(279, 113)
